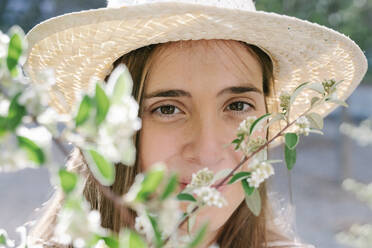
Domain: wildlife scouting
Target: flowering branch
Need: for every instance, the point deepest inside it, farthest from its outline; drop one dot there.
(103, 124)
(248, 126)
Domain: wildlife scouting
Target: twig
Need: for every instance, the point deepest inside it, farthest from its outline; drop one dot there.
(245, 159)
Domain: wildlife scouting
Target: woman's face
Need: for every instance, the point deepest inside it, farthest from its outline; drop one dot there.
(194, 99)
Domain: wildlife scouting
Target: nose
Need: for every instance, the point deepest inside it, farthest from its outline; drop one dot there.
(204, 146)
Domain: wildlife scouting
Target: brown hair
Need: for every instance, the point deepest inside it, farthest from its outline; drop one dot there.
(242, 229)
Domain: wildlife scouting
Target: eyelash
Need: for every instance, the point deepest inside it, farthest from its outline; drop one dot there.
(155, 110)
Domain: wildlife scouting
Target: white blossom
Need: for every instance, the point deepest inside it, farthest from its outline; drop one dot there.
(253, 164)
(210, 196)
(120, 125)
(11, 157)
(261, 172)
(303, 125)
(131, 195)
(201, 178)
(245, 125)
(7, 241)
(251, 145)
(143, 226)
(23, 233)
(50, 119)
(113, 139)
(4, 43)
(4, 106)
(101, 244)
(77, 225)
(36, 96)
(169, 215)
(42, 137)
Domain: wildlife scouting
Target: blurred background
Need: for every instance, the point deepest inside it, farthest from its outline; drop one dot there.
(322, 207)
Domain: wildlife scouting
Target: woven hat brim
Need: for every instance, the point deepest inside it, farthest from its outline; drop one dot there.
(82, 45)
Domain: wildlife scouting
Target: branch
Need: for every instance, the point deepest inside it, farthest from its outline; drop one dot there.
(245, 159)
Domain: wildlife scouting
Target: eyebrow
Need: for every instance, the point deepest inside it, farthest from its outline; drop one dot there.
(240, 90)
(182, 93)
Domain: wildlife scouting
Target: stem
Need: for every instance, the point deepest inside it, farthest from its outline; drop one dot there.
(245, 159)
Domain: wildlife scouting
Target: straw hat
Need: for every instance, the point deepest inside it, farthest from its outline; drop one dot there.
(84, 44)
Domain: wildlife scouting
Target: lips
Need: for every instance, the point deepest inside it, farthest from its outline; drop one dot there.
(183, 185)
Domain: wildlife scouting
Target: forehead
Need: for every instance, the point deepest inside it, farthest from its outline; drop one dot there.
(203, 62)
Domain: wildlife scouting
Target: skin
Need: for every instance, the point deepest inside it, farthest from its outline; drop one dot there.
(188, 131)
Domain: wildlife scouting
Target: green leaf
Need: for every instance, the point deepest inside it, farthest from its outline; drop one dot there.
(316, 131)
(339, 102)
(155, 227)
(290, 157)
(103, 170)
(68, 180)
(171, 186)
(73, 203)
(274, 161)
(111, 241)
(238, 141)
(275, 118)
(150, 183)
(318, 87)
(130, 239)
(298, 91)
(103, 104)
(253, 202)
(247, 189)
(34, 152)
(190, 223)
(198, 237)
(186, 197)
(316, 121)
(291, 140)
(14, 53)
(314, 100)
(3, 125)
(239, 176)
(15, 113)
(84, 110)
(2, 239)
(257, 121)
(123, 86)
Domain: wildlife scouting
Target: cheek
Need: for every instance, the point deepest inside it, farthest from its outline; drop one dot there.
(156, 144)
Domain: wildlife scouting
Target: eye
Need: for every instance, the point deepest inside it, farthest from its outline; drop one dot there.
(166, 110)
(240, 106)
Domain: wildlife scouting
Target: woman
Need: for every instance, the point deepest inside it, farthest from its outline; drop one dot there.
(193, 94)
